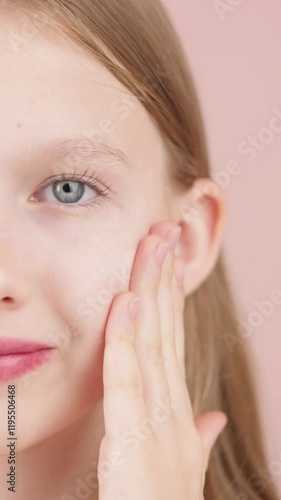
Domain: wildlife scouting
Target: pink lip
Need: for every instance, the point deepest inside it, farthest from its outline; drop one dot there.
(18, 357)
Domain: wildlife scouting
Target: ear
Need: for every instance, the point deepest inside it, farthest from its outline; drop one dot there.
(201, 212)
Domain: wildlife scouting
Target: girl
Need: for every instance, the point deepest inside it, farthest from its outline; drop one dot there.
(115, 307)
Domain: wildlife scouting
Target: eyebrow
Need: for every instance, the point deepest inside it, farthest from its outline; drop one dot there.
(101, 150)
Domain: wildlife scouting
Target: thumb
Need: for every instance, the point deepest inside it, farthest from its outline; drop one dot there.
(209, 426)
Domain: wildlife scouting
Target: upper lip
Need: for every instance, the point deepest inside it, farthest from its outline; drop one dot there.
(18, 346)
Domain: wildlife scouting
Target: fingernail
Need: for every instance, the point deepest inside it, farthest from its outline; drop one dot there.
(174, 236)
(161, 251)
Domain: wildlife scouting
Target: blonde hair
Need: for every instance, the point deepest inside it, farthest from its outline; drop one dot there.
(137, 42)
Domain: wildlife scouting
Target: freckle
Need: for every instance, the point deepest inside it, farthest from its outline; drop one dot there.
(18, 125)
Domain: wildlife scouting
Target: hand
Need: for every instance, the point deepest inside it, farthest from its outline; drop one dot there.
(152, 448)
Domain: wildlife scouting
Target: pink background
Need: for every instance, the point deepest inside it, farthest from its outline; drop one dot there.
(236, 62)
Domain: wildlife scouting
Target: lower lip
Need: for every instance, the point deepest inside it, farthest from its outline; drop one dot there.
(16, 365)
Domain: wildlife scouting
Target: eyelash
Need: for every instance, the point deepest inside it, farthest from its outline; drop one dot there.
(103, 188)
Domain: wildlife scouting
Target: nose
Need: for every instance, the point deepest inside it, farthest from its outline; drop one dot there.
(14, 286)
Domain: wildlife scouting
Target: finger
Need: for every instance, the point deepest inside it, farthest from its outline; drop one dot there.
(209, 425)
(169, 308)
(123, 391)
(179, 314)
(165, 229)
(145, 280)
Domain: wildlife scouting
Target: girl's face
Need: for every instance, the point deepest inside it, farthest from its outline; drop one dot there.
(62, 263)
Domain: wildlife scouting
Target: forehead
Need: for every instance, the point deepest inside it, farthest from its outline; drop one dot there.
(51, 87)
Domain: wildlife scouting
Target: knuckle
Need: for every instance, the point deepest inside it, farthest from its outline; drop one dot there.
(154, 353)
(169, 339)
(126, 340)
(131, 384)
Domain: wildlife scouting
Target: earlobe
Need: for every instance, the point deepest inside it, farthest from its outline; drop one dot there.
(201, 214)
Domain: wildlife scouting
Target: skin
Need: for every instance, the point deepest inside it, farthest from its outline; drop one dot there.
(54, 262)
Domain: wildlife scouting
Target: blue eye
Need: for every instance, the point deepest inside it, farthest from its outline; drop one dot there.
(69, 191)
(65, 191)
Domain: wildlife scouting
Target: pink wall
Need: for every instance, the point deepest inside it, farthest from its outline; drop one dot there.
(236, 61)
